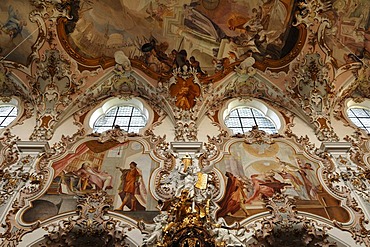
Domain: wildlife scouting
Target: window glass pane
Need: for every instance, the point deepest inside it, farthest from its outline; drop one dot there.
(133, 129)
(360, 112)
(365, 122)
(264, 122)
(112, 112)
(137, 121)
(242, 120)
(233, 122)
(105, 121)
(7, 121)
(14, 112)
(270, 131)
(350, 114)
(257, 113)
(7, 115)
(248, 122)
(246, 129)
(360, 117)
(5, 110)
(245, 112)
(124, 111)
(233, 114)
(125, 128)
(122, 121)
(128, 118)
(136, 112)
(356, 121)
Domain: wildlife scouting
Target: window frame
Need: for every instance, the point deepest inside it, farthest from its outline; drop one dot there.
(12, 103)
(110, 104)
(269, 113)
(354, 105)
(255, 116)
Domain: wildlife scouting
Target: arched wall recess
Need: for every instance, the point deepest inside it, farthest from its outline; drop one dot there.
(257, 168)
(284, 224)
(104, 107)
(268, 111)
(89, 166)
(90, 221)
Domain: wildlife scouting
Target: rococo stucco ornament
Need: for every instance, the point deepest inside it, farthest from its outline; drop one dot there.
(116, 134)
(285, 227)
(10, 153)
(90, 225)
(334, 181)
(355, 177)
(294, 56)
(10, 180)
(312, 89)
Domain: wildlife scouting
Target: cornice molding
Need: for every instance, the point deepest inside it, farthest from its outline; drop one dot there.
(335, 147)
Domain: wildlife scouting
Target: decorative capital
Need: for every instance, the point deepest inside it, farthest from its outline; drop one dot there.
(33, 146)
(335, 148)
(186, 147)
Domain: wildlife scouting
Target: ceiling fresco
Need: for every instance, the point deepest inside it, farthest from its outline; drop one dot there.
(17, 33)
(215, 36)
(349, 38)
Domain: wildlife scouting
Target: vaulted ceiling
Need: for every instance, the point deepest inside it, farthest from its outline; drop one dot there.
(187, 60)
(305, 56)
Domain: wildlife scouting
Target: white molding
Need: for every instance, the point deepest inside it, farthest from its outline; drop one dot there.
(186, 147)
(32, 146)
(335, 147)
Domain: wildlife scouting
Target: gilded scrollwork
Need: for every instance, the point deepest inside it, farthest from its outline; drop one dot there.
(162, 149)
(8, 86)
(358, 229)
(193, 174)
(183, 223)
(17, 181)
(362, 81)
(186, 131)
(308, 12)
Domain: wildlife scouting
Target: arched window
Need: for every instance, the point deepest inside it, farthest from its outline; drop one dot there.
(129, 115)
(7, 115)
(129, 118)
(242, 119)
(360, 117)
(241, 116)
